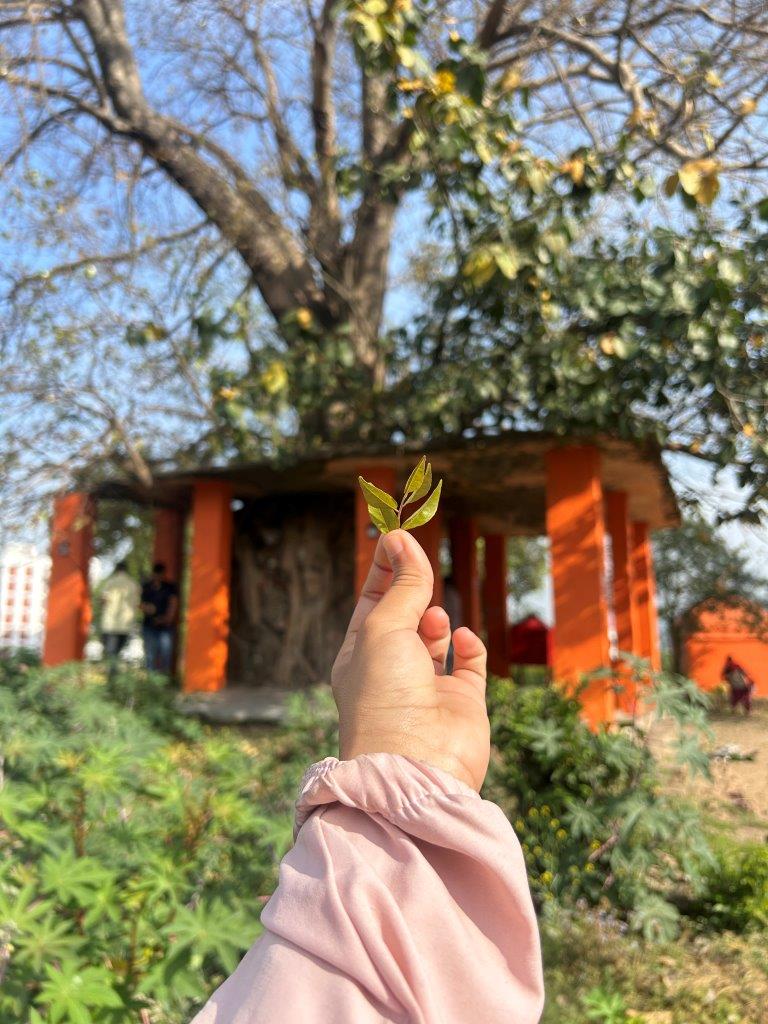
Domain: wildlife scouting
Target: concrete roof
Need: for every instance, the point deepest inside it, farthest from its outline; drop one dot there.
(500, 480)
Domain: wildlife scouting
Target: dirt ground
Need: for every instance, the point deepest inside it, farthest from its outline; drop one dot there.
(739, 789)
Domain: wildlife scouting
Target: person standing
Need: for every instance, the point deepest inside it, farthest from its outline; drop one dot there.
(159, 605)
(740, 685)
(120, 595)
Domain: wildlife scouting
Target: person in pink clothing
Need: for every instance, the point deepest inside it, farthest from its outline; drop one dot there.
(404, 898)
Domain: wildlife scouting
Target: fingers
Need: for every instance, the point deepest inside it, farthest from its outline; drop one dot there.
(403, 604)
(435, 633)
(469, 657)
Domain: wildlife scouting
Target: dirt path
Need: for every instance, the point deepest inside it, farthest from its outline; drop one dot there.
(739, 790)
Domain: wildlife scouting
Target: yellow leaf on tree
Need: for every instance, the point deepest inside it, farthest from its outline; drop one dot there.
(575, 169)
(410, 84)
(608, 344)
(304, 317)
(747, 106)
(748, 430)
(275, 377)
(511, 79)
(444, 83)
(712, 78)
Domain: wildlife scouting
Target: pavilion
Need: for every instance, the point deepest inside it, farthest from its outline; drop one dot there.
(271, 554)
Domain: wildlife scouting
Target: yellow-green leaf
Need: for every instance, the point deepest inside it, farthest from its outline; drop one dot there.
(384, 519)
(423, 490)
(416, 478)
(375, 496)
(427, 510)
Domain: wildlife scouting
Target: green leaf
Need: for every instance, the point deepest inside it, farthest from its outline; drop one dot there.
(416, 479)
(384, 519)
(427, 510)
(375, 496)
(423, 490)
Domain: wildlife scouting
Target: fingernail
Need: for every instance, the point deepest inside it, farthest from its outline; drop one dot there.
(393, 545)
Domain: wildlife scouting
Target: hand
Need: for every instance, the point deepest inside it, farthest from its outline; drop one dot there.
(389, 678)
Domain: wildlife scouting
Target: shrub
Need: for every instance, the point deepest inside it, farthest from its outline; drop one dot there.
(132, 866)
(588, 807)
(735, 891)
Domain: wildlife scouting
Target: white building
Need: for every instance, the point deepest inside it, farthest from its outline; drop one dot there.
(24, 576)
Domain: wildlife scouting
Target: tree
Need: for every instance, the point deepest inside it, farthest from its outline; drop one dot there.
(695, 570)
(526, 569)
(212, 152)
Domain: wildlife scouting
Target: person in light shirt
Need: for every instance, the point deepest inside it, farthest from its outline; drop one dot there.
(120, 598)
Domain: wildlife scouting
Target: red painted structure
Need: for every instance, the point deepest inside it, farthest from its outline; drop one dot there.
(493, 488)
(529, 642)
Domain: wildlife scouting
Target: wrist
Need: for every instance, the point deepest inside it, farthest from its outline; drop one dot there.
(360, 744)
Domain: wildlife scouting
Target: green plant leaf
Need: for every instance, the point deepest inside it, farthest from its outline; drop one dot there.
(423, 490)
(375, 496)
(384, 519)
(416, 478)
(427, 510)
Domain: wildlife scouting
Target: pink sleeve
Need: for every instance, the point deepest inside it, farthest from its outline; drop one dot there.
(404, 899)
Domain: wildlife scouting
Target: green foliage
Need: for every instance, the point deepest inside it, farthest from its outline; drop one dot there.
(588, 807)
(133, 865)
(386, 514)
(735, 891)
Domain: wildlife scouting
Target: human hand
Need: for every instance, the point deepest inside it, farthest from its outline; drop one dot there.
(389, 680)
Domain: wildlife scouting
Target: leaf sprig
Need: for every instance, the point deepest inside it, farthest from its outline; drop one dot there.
(384, 510)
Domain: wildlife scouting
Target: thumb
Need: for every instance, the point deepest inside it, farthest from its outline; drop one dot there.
(410, 592)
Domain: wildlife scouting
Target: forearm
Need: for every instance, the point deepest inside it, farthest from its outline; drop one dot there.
(404, 899)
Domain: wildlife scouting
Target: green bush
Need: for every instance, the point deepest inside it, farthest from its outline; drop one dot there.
(588, 807)
(133, 865)
(735, 891)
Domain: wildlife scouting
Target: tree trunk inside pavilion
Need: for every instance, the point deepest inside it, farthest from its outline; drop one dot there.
(292, 588)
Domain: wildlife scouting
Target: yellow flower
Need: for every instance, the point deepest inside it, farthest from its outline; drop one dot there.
(561, 834)
(533, 813)
(589, 868)
(444, 83)
(537, 851)
(519, 824)
(545, 811)
(594, 845)
(546, 877)
(554, 823)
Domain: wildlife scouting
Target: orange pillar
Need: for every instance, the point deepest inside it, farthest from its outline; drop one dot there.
(429, 536)
(576, 530)
(366, 534)
(463, 533)
(644, 589)
(168, 541)
(624, 608)
(495, 602)
(68, 616)
(205, 661)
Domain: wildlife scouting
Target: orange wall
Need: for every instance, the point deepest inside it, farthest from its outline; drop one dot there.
(722, 633)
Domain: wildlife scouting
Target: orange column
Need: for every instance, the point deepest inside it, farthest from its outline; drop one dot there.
(576, 530)
(495, 602)
(644, 590)
(625, 611)
(429, 536)
(463, 533)
(168, 541)
(205, 661)
(68, 616)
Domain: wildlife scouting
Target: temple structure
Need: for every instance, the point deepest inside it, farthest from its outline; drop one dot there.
(270, 556)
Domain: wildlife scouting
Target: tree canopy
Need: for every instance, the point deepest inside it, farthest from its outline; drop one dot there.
(235, 228)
